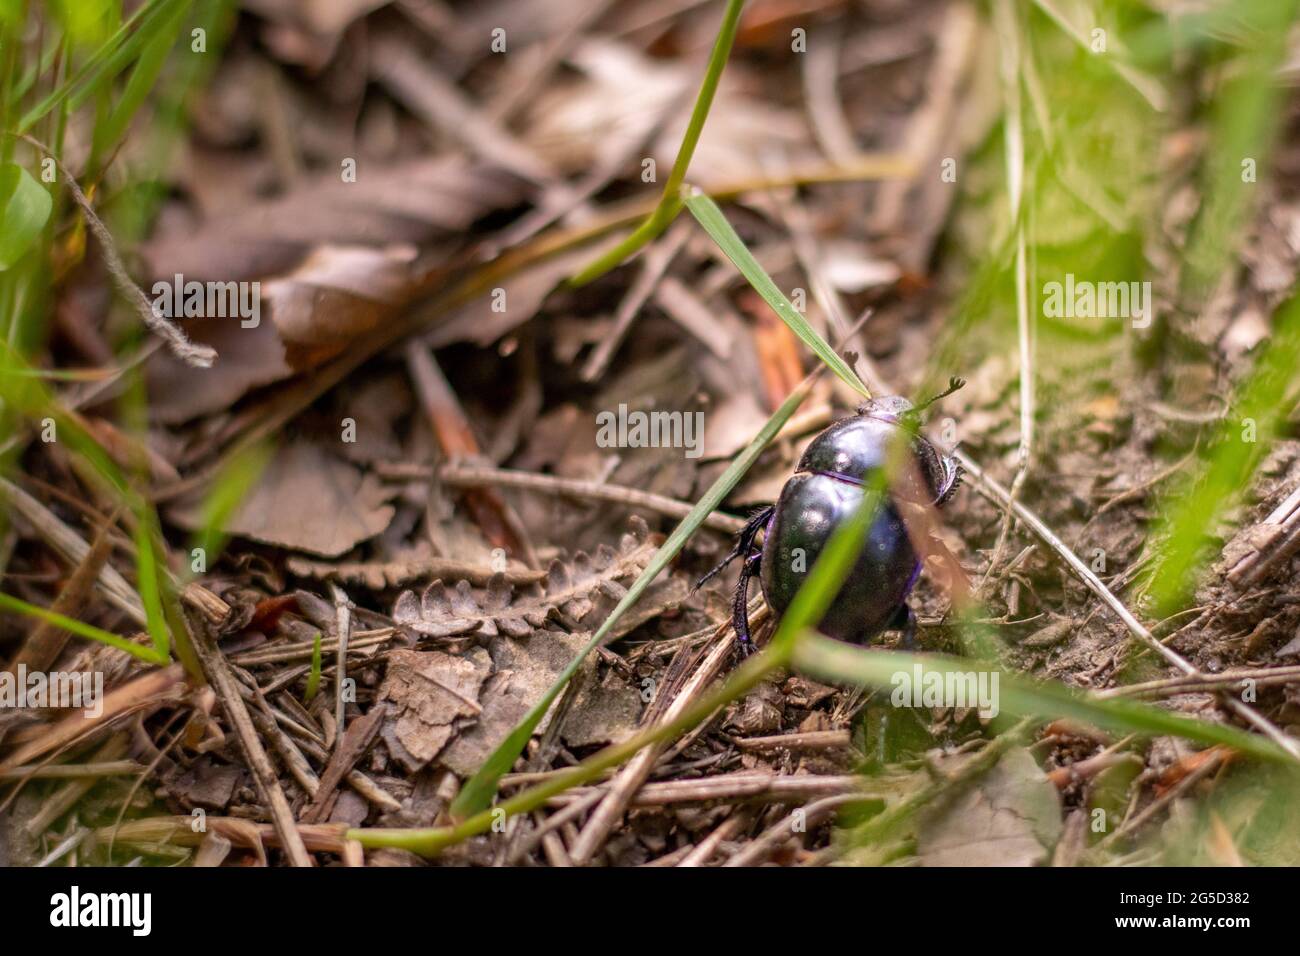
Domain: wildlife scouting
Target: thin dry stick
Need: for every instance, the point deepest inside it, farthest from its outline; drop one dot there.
(47, 640)
(631, 777)
(72, 771)
(810, 740)
(1009, 43)
(654, 264)
(73, 547)
(70, 794)
(469, 476)
(226, 687)
(999, 495)
(1189, 781)
(701, 854)
(771, 838)
(1186, 684)
(201, 356)
(571, 811)
(343, 624)
(151, 687)
(1274, 540)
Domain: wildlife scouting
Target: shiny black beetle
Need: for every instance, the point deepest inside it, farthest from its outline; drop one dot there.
(824, 490)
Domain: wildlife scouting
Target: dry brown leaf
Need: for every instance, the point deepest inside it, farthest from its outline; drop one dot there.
(427, 693)
(246, 359)
(524, 670)
(307, 499)
(336, 296)
(412, 202)
(1010, 817)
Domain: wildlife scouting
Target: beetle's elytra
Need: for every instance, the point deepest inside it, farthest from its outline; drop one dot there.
(824, 490)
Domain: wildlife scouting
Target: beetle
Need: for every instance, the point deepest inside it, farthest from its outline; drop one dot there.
(827, 486)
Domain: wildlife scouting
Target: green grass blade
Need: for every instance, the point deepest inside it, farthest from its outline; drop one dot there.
(670, 202)
(141, 82)
(24, 214)
(1018, 696)
(112, 56)
(146, 564)
(313, 678)
(147, 654)
(230, 487)
(1261, 407)
(479, 790)
(706, 211)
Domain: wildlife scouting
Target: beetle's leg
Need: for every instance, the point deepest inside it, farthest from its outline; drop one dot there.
(740, 609)
(904, 620)
(744, 542)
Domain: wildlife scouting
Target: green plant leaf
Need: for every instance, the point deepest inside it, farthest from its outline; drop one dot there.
(25, 213)
(706, 211)
(1018, 696)
(479, 790)
(313, 677)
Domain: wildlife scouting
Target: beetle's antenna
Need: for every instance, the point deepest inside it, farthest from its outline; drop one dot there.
(912, 417)
(954, 384)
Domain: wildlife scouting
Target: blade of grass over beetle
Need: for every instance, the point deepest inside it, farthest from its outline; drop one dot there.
(828, 573)
(1015, 696)
(479, 790)
(670, 202)
(707, 213)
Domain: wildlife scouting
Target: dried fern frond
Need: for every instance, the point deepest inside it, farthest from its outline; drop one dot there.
(567, 595)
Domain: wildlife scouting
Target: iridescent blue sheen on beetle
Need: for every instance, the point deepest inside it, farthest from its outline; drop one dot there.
(826, 488)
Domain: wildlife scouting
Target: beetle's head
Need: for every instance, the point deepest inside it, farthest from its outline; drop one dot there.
(890, 408)
(941, 472)
(897, 409)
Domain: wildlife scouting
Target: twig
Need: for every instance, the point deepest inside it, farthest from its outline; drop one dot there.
(701, 854)
(226, 687)
(152, 686)
(343, 626)
(1187, 683)
(783, 830)
(201, 356)
(812, 740)
(456, 438)
(1273, 540)
(999, 495)
(47, 640)
(72, 771)
(654, 265)
(631, 777)
(1211, 764)
(73, 548)
(470, 476)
